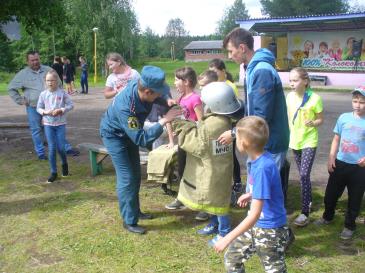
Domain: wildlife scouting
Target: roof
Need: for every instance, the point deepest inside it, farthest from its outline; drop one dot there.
(320, 22)
(214, 44)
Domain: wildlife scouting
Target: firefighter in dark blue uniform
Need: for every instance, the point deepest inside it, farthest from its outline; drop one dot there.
(121, 130)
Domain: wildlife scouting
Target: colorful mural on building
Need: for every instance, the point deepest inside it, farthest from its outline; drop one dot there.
(326, 51)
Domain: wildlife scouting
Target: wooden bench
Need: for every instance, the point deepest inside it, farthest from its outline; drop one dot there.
(97, 153)
(7, 125)
(318, 80)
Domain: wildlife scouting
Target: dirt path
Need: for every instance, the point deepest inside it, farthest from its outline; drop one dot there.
(83, 124)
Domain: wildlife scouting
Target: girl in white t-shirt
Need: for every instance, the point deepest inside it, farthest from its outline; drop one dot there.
(121, 75)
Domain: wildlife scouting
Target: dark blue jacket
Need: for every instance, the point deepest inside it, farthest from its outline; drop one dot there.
(265, 98)
(125, 117)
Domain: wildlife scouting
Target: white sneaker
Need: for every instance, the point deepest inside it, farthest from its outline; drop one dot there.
(346, 234)
(301, 220)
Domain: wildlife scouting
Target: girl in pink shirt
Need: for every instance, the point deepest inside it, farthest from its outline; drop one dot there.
(185, 82)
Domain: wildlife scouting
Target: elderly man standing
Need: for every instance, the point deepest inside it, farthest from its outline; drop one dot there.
(31, 81)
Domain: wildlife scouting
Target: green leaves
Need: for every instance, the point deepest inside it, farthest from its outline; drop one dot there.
(228, 22)
(277, 8)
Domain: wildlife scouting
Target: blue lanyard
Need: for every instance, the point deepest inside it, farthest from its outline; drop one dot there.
(306, 97)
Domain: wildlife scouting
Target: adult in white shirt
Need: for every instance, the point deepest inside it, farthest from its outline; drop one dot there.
(121, 75)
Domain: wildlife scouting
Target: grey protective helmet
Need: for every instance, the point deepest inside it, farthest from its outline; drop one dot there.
(220, 98)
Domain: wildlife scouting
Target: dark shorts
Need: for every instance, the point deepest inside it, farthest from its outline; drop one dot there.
(69, 79)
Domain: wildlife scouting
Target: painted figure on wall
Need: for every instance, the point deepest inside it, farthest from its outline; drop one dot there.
(347, 51)
(362, 58)
(323, 50)
(308, 49)
(335, 51)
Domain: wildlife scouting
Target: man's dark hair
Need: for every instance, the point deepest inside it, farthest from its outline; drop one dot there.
(31, 52)
(239, 36)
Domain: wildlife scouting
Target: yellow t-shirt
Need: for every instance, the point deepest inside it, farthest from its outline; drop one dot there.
(302, 136)
(234, 87)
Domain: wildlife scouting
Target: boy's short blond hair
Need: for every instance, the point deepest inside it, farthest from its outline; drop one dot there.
(255, 132)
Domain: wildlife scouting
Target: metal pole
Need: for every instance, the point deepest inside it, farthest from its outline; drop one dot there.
(54, 45)
(95, 68)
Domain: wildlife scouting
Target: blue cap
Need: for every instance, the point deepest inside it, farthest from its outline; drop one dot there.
(153, 77)
(360, 89)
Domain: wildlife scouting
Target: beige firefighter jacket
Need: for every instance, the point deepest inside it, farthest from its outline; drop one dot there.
(207, 180)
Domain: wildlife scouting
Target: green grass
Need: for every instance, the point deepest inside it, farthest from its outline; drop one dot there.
(168, 66)
(74, 226)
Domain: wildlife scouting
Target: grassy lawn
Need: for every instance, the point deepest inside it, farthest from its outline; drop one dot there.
(74, 226)
(168, 66)
(199, 67)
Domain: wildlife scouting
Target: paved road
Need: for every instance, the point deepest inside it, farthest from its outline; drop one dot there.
(83, 124)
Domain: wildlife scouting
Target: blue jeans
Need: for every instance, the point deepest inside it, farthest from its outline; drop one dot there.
(279, 159)
(222, 222)
(34, 120)
(56, 141)
(125, 157)
(35, 126)
(84, 84)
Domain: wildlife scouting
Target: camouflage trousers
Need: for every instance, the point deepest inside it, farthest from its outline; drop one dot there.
(269, 245)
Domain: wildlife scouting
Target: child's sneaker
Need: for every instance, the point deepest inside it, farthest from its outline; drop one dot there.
(291, 240)
(212, 242)
(176, 204)
(301, 220)
(52, 178)
(64, 170)
(321, 221)
(208, 230)
(346, 234)
(202, 216)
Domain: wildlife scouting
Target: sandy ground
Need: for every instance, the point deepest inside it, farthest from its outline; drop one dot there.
(83, 124)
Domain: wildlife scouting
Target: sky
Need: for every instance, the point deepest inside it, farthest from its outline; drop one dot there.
(200, 17)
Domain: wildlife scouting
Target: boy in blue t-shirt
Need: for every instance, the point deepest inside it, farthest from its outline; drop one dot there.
(265, 229)
(346, 164)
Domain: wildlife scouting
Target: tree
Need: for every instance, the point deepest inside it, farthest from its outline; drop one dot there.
(34, 14)
(116, 22)
(175, 39)
(73, 35)
(228, 21)
(149, 43)
(356, 7)
(6, 56)
(175, 28)
(277, 8)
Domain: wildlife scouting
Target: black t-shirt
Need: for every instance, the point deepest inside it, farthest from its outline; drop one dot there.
(59, 69)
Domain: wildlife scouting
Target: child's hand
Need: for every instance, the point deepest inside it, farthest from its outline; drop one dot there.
(221, 244)
(171, 102)
(244, 199)
(225, 138)
(172, 114)
(361, 162)
(331, 164)
(57, 112)
(170, 145)
(309, 123)
(47, 113)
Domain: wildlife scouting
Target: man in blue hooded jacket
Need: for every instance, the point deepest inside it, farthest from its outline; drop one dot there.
(264, 93)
